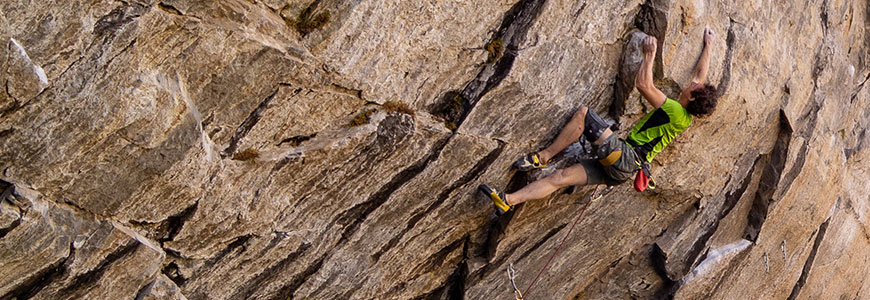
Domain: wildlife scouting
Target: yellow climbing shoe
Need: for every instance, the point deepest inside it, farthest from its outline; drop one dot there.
(501, 205)
(529, 162)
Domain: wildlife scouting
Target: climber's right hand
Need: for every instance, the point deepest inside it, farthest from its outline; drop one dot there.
(708, 35)
(649, 46)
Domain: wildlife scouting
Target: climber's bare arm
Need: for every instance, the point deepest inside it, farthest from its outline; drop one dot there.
(699, 75)
(644, 79)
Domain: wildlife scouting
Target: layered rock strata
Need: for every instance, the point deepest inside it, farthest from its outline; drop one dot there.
(331, 149)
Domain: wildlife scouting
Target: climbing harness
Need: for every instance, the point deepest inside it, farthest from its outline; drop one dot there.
(512, 274)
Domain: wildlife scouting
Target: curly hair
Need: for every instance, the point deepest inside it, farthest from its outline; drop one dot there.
(705, 101)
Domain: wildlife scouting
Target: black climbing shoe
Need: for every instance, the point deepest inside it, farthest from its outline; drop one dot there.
(501, 205)
(529, 162)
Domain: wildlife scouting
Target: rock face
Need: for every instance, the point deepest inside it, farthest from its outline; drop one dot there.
(331, 150)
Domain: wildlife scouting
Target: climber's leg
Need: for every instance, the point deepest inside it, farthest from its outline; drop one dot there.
(575, 175)
(583, 122)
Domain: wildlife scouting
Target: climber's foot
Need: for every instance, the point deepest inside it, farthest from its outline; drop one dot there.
(529, 162)
(498, 198)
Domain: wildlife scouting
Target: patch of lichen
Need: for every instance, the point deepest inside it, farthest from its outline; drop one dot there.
(307, 21)
(450, 125)
(361, 118)
(249, 155)
(495, 49)
(450, 109)
(399, 107)
(456, 102)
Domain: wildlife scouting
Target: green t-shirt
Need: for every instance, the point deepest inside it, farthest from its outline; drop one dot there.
(658, 128)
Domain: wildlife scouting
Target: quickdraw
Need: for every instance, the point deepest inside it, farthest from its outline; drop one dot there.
(512, 274)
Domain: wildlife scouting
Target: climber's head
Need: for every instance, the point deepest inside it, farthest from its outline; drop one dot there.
(702, 99)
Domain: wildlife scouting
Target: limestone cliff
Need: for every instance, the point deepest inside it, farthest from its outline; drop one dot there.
(330, 149)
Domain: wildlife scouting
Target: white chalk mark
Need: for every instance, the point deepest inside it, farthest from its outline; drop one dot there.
(715, 257)
(177, 88)
(40, 73)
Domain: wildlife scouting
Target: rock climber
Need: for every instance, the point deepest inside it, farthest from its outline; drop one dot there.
(618, 159)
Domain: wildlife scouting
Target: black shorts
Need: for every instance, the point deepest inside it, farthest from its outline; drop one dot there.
(616, 162)
(594, 126)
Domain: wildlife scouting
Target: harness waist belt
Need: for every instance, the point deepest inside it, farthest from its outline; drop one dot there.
(641, 153)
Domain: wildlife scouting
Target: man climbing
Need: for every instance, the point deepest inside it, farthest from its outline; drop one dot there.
(618, 159)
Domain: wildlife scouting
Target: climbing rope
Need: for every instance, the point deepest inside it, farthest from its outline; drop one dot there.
(512, 273)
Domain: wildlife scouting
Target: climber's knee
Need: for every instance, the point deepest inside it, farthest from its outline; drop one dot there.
(566, 177)
(594, 125)
(580, 115)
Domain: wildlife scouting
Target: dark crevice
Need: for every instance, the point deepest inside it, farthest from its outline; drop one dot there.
(288, 291)
(659, 259)
(541, 242)
(7, 230)
(6, 132)
(497, 224)
(475, 277)
(145, 290)
(810, 260)
(472, 174)
(296, 141)
(770, 179)
(259, 282)
(453, 288)
(809, 120)
(435, 294)
(117, 18)
(90, 277)
(796, 168)
(495, 229)
(437, 258)
(820, 61)
(858, 89)
(248, 124)
(45, 277)
(353, 217)
(696, 253)
(169, 8)
(456, 281)
(175, 222)
(239, 243)
(504, 46)
(172, 271)
(823, 15)
(725, 80)
(652, 19)
(279, 236)
(126, 48)
(623, 85)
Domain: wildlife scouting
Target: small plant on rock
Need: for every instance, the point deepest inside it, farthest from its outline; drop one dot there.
(307, 21)
(494, 48)
(361, 118)
(249, 155)
(399, 107)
